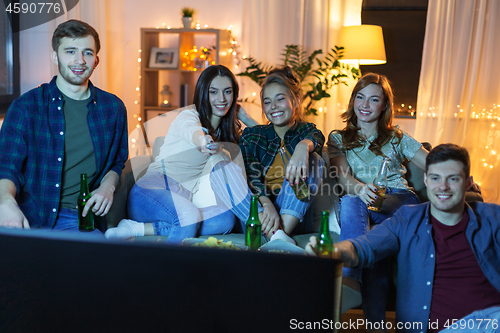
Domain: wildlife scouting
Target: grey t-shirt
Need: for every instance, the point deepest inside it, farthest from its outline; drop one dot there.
(78, 150)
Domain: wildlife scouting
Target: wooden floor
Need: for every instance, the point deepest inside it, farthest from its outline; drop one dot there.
(353, 317)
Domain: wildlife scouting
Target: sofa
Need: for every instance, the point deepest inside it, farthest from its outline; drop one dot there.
(327, 198)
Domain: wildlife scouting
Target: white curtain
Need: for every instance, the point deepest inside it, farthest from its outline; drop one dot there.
(269, 25)
(459, 89)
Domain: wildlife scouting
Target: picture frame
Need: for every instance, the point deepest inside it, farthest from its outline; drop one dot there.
(164, 58)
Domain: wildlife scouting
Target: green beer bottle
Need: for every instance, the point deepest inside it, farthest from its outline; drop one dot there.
(253, 228)
(84, 223)
(380, 183)
(324, 246)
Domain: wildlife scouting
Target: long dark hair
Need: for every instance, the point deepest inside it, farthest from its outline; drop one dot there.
(230, 126)
(386, 131)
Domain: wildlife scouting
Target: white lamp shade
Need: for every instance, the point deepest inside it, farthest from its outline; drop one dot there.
(363, 44)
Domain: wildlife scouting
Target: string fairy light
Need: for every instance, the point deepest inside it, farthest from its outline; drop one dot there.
(203, 56)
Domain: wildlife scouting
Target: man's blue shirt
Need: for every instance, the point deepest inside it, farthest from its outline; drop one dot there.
(32, 146)
(408, 235)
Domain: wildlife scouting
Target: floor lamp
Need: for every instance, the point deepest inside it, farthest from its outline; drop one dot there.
(363, 45)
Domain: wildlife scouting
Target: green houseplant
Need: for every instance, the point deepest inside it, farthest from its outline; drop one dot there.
(317, 75)
(187, 16)
(187, 12)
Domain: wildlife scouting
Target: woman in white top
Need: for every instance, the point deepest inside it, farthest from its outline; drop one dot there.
(356, 154)
(161, 202)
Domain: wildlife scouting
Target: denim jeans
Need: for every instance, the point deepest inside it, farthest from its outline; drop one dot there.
(481, 321)
(356, 219)
(287, 203)
(162, 201)
(67, 220)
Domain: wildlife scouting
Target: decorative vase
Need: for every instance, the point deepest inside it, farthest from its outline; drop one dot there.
(187, 21)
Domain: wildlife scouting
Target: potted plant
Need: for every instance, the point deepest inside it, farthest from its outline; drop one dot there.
(187, 17)
(317, 75)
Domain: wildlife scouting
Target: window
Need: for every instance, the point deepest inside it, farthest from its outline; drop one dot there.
(403, 25)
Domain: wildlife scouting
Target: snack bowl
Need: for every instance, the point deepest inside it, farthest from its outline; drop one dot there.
(213, 243)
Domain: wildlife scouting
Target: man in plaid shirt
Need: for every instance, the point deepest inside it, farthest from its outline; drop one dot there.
(56, 132)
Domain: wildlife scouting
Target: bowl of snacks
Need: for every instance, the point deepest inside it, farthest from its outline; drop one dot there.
(214, 243)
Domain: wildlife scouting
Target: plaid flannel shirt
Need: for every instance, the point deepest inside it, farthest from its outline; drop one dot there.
(32, 146)
(259, 146)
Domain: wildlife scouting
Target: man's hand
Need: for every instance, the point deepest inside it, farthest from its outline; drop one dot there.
(310, 247)
(102, 198)
(12, 217)
(10, 214)
(101, 201)
(343, 251)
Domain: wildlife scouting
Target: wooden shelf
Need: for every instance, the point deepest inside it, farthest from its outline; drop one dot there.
(153, 79)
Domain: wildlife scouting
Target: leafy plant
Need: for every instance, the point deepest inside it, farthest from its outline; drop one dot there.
(317, 75)
(187, 11)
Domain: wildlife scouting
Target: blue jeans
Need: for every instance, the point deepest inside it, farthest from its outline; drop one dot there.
(162, 201)
(356, 219)
(287, 203)
(67, 220)
(481, 321)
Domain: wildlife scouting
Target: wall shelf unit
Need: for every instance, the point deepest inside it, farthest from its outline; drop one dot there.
(183, 70)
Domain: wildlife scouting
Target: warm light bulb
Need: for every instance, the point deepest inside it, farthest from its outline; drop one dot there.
(139, 119)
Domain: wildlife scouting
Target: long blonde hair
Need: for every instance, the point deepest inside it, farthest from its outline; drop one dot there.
(351, 138)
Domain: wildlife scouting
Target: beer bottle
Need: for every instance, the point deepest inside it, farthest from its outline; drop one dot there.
(324, 246)
(300, 190)
(380, 183)
(84, 223)
(253, 228)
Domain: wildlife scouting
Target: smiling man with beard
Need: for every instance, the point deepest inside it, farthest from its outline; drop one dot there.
(56, 132)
